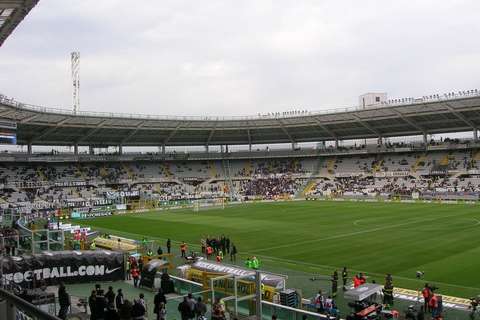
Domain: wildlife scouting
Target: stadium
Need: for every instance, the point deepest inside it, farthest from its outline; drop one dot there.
(285, 215)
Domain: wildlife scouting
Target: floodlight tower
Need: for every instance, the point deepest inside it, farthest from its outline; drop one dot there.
(75, 58)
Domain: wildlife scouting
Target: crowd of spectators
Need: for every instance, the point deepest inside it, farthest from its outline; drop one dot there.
(57, 184)
(114, 305)
(270, 188)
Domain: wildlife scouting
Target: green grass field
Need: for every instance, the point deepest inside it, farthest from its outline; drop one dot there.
(317, 237)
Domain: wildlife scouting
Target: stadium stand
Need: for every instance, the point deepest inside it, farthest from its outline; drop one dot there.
(447, 171)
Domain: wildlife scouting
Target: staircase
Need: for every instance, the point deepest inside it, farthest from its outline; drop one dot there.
(79, 173)
(420, 161)
(129, 171)
(331, 166)
(377, 167)
(312, 180)
(228, 180)
(213, 169)
(476, 156)
(445, 160)
(41, 175)
(248, 168)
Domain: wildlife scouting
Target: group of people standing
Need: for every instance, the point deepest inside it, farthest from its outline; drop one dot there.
(218, 248)
(432, 302)
(113, 306)
(325, 304)
(191, 309)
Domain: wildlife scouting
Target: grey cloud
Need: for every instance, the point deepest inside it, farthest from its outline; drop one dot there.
(240, 57)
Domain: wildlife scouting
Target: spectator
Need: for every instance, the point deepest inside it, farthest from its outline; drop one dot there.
(162, 312)
(138, 310)
(135, 276)
(125, 311)
(110, 296)
(200, 308)
(111, 313)
(218, 311)
(100, 306)
(119, 301)
(64, 301)
(157, 301)
(92, 304)
(185, 310)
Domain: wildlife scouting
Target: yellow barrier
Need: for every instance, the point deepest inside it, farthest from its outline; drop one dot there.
(245, 287)
(112, 244)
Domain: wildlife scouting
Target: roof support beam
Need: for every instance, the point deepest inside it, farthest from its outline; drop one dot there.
(133, 132)
(211, 134)
(49, 130)
(249, 139)
(10, 5)
(28, 119)
(45, 133)
(410, 122)
(93, 131)
(7, 112)
(282, 126)
(460, 116)
(324, 128)
(170, 136)
(366, 125)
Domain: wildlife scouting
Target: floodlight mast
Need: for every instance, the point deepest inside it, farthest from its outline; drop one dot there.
(75, 58)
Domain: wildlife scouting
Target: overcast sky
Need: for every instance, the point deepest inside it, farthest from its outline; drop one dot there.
(220, 57)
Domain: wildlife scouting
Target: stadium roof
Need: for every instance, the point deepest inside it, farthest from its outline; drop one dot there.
(440, 114)
(12, 13)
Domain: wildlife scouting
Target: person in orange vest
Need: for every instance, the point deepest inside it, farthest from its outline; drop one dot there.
(183, 249)
(427, 294)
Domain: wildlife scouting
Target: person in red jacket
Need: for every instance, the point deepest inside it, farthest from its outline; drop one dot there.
(356, 281)
(209, 252)
(433, 304)
(362, 279)
(135, 275)
(427, 294)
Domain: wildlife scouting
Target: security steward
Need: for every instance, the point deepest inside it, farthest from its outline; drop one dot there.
(344, 278)
(334, 284)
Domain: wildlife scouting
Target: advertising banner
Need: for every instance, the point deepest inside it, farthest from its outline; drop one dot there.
(64, 266)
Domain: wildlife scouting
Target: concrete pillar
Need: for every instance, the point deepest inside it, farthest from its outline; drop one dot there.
(90, 150)
(336, 143)
(29, 148)
(226, 148)
(221, 148)
(475, 134)
(250, 147)
(120, 149)
(75, 149)
(206, 148)
(425, 139)
(163, 149)
(258, 295)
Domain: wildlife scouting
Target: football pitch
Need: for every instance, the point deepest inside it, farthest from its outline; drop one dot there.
(317, 237)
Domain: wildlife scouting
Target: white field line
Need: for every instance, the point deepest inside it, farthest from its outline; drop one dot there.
(346, 235)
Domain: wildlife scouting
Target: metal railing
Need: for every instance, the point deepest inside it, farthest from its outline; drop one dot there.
(13, 307)
(273, 115)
